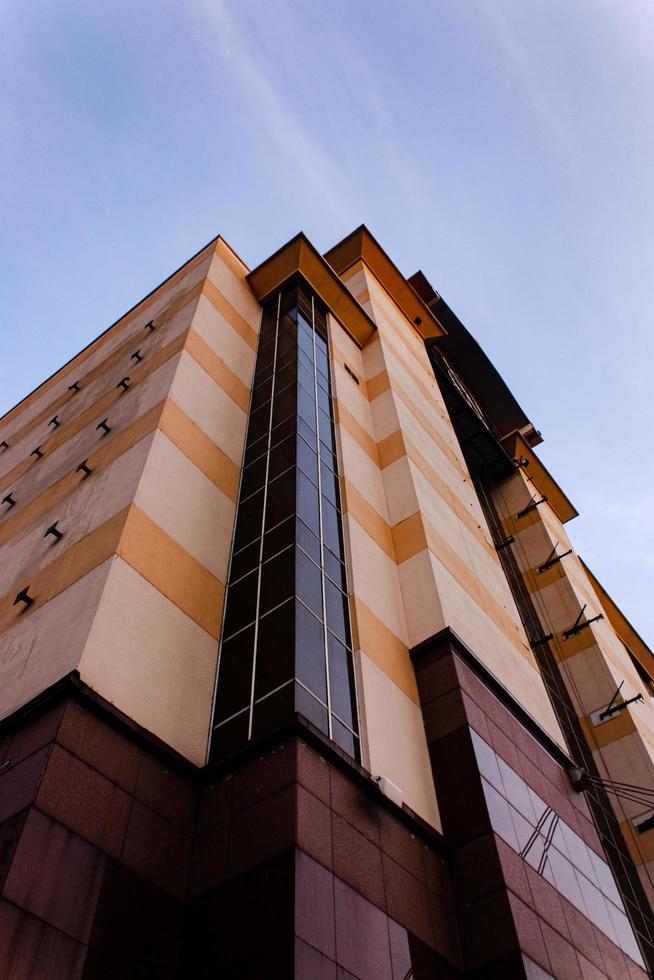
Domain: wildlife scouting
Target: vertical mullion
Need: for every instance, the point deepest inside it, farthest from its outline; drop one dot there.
(322, 544)
(263, 522)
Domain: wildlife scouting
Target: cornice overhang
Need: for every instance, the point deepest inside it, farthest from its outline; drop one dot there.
(300, 257)
(361, 246)
(518, 448)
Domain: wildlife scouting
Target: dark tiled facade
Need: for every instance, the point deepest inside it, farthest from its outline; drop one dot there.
(118, 859)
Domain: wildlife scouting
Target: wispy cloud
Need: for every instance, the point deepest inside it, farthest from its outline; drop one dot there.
(247, 64)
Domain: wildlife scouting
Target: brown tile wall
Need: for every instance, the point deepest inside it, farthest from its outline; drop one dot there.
(118, 861)
(506, 909)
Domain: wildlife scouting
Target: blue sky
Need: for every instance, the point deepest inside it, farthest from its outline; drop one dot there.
(505, 148)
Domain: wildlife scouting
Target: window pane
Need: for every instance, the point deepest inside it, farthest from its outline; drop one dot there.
(230, 737)
(322, 363)
(235, 674)
(305, 341)
(331, 527)
(310, 651)
(312, 710)
(274, 664)
(241, 604)
(307, 502)
(307, 434)
(265, 356)
(277, 581)
(334, 569)
(279, 538)
(309, 541)
(329, 484)
(281, 457)
(337, 611)
(326, 431)
(262, 374)
(347, 741)
(273, 712)
(306, 406)
(255, 450)
(285, 343)
(259, 423)
(286, 375)
(305, 376)
(283, 405)
(280, 502)
(254, 477)
(248, 520)
(307, 460)
(245, 560)
(261, 393)
(341, 680)
(308, 582)
(283, 431)
(324, 401)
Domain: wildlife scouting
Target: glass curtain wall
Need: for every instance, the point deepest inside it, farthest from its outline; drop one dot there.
(286, 644)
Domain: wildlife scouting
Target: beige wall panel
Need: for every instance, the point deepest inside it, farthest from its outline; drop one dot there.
(131, 326)
(355, 279)
(400, 490)
(187, 506)
(397, 745)
(456, 477)
(235, 289)
(359, 470)
(94, 501)
(209, 407)
(627, 761)
(384, 415)
(344, 348)
(47, 644)
(212, 326)
(349, 395)
(374, 577)
(424, 613)
(157, 641)
(373, 357)
(589, 680)
(135, 402)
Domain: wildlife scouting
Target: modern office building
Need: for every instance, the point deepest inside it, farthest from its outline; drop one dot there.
(300, 674)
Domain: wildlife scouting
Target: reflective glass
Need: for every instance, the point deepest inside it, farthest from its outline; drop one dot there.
(306, 406)
(331, 530)
(308, 541)
(241, 603)
(307, 502)
(255, 449)
(307, 433)
(278, 538)
(326, 431)
(254, 477)
(307, 460)
(282, 456)
(273, 712)
(310, 651)
(248, 520)
(308, 582)
(347, 741)
(259, 423)
(329, 484)
(244, 561)
(341, 680)
(280, 502)
(337, 611)
(311, 709)
(277, 580)
(275, 656)
(235, 674)
(335, 569)
(261, 394)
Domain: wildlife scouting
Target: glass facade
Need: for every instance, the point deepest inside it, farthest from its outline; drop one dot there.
(286, 643)
(545, 841)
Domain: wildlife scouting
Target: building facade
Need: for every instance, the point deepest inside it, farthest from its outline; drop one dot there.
(300, 674)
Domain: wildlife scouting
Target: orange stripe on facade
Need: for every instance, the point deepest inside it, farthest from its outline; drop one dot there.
(355, 504)
(345, 418)
(385, 649)
(377, 385)
(115, 445)
(93, 412)
(233, 317)
(172, 571)
(216, 368)
(80, 559)
(198, 447)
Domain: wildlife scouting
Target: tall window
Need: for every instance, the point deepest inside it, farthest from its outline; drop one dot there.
(286, 644)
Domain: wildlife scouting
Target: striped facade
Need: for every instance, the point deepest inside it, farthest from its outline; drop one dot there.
(465, 818)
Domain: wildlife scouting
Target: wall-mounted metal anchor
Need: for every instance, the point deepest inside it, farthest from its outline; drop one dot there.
(103, 425)
(505, 543)
(24, 597)
(613, 709)
(56, 534)
(4, 445)
(532, 506)
(137, 356)
(540, 641)
(552, 559)
(38, 452)
(578, 626)
(150, 325)
(74, 386)
(123, 383)
(9, 501)
(521, 461)
(84, 468)
(54, 422)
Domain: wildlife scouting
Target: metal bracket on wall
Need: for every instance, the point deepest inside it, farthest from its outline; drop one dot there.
(505, 543)
(104, 426)
(24, 597)
(123, 383)
(74, 386)
(578, 626)
(613, 709)
(552, 559)
(56, 534)
(38, 452)
(136, 356)
(539, 642)
(9, 501)
(4, 444)
(84, 468)
(150, 325)
(532, 506)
